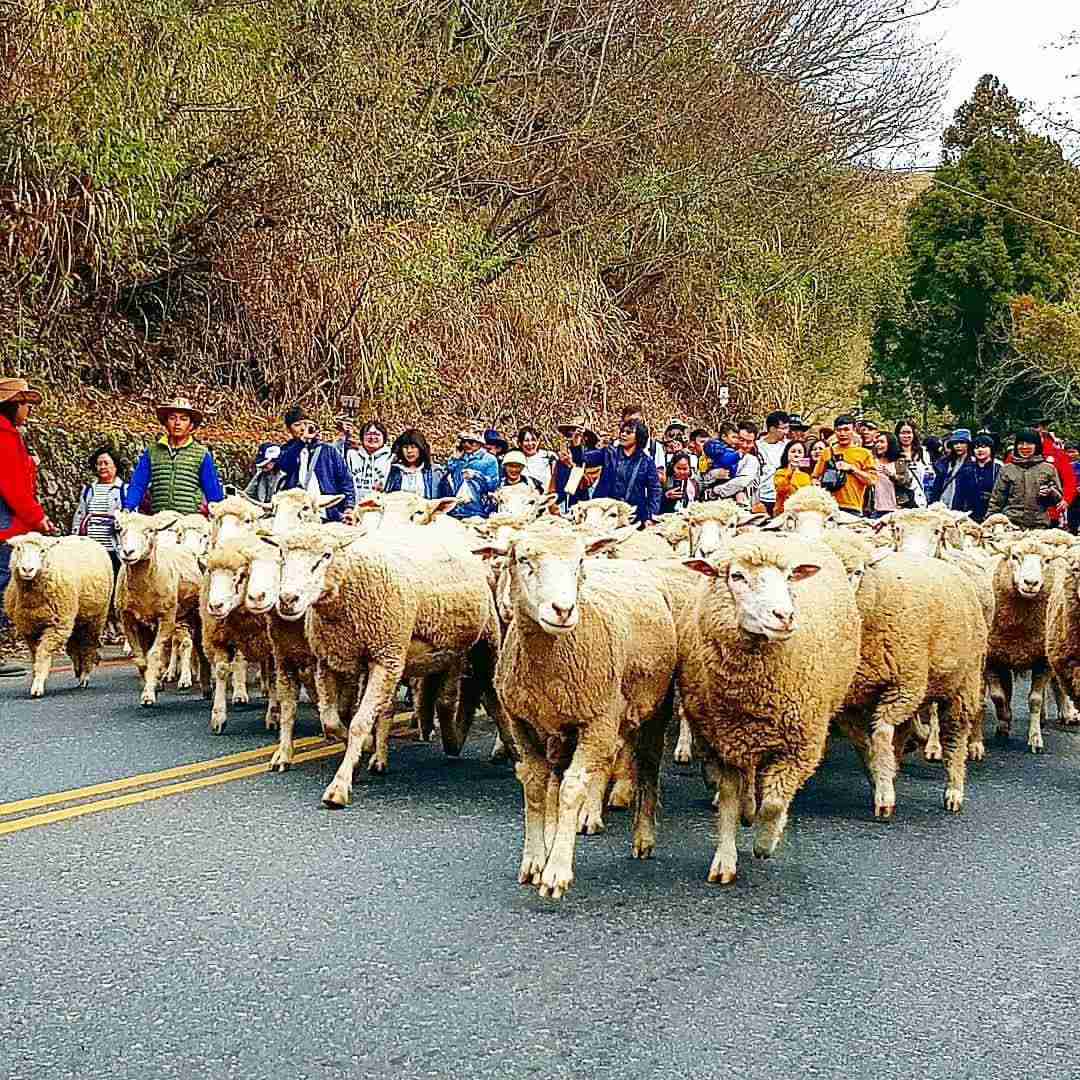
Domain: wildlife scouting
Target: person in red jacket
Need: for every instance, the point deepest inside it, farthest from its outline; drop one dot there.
(1060, 460)
(20, 511)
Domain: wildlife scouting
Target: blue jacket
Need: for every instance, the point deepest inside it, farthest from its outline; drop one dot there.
(209, 482)
(643, 491)
(432, 479)
(484, 479)
(965, 494)
(330, 470)
(985, 479)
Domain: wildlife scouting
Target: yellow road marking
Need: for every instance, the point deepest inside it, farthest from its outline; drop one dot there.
(133, 798)
(39, 801)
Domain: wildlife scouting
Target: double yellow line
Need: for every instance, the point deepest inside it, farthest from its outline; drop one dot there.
(153, 785)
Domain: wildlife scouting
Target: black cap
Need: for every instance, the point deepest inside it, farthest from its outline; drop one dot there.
(797, 423)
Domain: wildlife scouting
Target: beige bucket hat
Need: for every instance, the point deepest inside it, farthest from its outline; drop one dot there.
(180, 404)
(18, 390)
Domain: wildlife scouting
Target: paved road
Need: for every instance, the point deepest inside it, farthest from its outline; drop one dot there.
(244, 931)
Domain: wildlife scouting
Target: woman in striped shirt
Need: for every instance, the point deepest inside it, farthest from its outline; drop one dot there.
(95, 516)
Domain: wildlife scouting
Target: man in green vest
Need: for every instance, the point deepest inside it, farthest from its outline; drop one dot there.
(176, 472)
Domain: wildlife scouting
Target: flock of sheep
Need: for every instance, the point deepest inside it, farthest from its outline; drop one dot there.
(583, 638)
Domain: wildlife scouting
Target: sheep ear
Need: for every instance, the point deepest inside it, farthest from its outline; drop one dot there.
(490, 551)
(777, 523)
(441, 506)
(603, 543)
(547, 502)
(755, 519)
(270, 539)
(326, 501)
(702, 566)
(169, 522)
(804, 571)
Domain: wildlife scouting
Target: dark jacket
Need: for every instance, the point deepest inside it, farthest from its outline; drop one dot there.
(330, 470)
(965, 496)
(432, 478)
(263, 486)
(985, 479)
(1016, 493)
(639, 486)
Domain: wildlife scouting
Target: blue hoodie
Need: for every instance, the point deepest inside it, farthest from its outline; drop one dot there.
(483, 479)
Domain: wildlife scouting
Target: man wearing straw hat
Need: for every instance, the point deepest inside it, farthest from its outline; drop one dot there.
(20, 511)
(178, 472)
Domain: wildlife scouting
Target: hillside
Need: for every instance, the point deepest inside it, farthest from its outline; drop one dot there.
(447, 211)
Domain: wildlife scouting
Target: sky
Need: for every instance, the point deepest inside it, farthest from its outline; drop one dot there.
(1012, 40)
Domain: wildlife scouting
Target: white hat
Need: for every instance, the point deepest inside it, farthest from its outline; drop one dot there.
(515, 457)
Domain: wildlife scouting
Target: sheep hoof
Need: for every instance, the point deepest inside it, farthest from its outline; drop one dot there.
(976, 751)
(531, 871)
(721, 873)
(148, 698)
(37, 689)
(591, 825)
(622, 795)
(280, 762)
(682, 755)
(499, 751)
(241, 699)
(184, 683)
(931, 753)
(1035, 744)
(337, 795)
(271, 722)
(555, 881)
(217, 725)
(954, 800)
(84, 682)
(377, 766)
(644, 847)
(884, 811)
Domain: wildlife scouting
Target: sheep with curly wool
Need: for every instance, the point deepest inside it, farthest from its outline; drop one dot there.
(587, 660)
(157, 589)
(924, 639)
(58, 598)
(1023, 582)
(229, 631)
(386, 609)
(1063, 631)
(766, 658)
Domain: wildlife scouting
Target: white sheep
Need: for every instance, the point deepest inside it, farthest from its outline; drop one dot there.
(587, 661)
(766, 657)
(1063, 630)
(924, 639)
(603, 515)
(157, 589)
(229, 631)
(1023, 582)
(233, 516)
(295, 507)
(395, 606)
(58, 598)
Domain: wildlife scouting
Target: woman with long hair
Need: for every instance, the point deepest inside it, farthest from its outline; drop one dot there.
(411, 467)
(893, 475)
(792, 474)
(538, 461)
(917, 460)
(954, 475)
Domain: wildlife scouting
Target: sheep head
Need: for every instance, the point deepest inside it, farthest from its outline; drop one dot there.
(522, 499)
(306, 555)
(28, 553)
(1027, 562)
(546, 569)
(263, 577)
(227, 568)
(603, 514)
(758, 573)
(917, 532)
(295, 508)
(809, 511)
(711, 526)
(137, 535)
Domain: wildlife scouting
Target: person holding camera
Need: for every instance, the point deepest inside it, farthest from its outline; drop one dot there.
(681, 488)
(316, 466)
(1028, 487)
(846, 470)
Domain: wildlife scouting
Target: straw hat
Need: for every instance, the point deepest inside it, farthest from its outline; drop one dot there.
(473, 434)
(18, 390)
(573, 425)
(179, 404)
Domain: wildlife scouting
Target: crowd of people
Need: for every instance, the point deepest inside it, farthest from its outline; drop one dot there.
(870, 471)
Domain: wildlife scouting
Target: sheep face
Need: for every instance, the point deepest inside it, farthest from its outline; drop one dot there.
(545, 576)
(918, 535)
(303, 578)
(808, 523)
(137, 536)
(194, 539)
(28, 555)
(519, 499)
(710, 535)
(294, 508)
(1028, 572)
(263, 580)
(759, 583)
(602, 514)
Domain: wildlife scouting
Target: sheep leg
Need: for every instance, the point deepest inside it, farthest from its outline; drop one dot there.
(976, 747)
(166, 629)
(377, 702)
(999, 681)
(133, 634)
(268, 686)
(780, 780)
(219, 710)
(239, 680)
(894, 708)
(594, 753)
(648, 753)
(684, 748)
(955, 725)
(427, 690)
(1040, 675)
(453, 728)
(288, 693)
(49, 641)
(1066, 707)
(533, 772)
(725, 861)
(326, 685)
(83, 646)
(622, 773)
(186, 650)
(172, 671)
(932, 749)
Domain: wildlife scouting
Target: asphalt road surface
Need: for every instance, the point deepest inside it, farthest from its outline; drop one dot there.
(241, 930)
